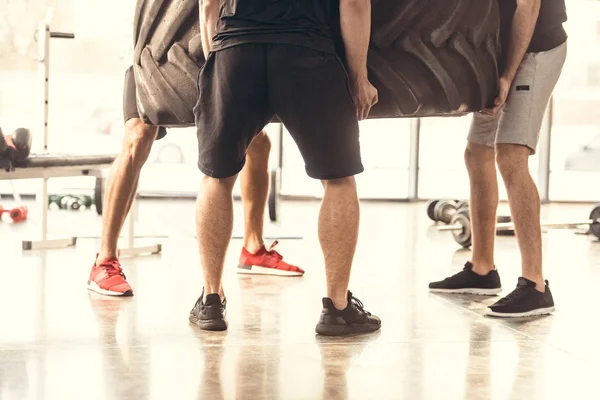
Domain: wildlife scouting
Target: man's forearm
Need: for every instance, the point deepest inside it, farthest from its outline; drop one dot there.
(355, 23)
(209, 14)
(523, 26)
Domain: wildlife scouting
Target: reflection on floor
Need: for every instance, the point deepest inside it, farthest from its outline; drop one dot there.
(57, 341)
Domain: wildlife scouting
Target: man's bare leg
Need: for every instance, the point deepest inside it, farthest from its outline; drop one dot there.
(254, 182)
(123, 181)
(214, 226)
(481, 165)
(479, 275)
(524, 199)
(338, 234)
(339, 220)
(255, 257)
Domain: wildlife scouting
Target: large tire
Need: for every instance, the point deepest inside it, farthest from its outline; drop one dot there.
(434, 57)
(427, 58)
(167, 59)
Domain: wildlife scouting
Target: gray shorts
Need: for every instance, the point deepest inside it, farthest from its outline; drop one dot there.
(520, 120)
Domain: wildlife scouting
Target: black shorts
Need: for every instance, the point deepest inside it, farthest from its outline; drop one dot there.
(130, 109)
(242, 88)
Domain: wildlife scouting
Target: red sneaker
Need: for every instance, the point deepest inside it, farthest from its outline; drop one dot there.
(266, 262)
(108, 278)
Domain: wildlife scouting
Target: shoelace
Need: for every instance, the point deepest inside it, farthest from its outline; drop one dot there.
(272, 252)
(359, 305)
(112, 268)
(518, 292)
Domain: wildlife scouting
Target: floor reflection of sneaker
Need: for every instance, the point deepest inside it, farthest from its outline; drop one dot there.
(524, 301)
(266, 262)
(349, 321)
(468, 282)
(209, 313)
(108, 278)
(337, 357)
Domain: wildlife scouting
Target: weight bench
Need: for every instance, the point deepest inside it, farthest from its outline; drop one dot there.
(56, 165)
(45, 166)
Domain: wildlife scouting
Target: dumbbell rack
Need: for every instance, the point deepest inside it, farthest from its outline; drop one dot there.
(94, 166)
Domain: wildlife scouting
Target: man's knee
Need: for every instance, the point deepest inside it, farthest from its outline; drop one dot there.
(139, 138)
(347, 183)
(260, 148)
(512, 159)
(218, 184)
(478, 155)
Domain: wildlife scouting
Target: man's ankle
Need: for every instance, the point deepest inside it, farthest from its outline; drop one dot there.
(103, 255)
(340, 303)
(482, 268)
(540, 284)
(208, 289)
(253, 245)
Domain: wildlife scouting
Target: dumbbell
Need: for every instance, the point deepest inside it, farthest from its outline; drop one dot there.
(462, 204)
(460, 226)
(80, 200)
(431, 208)
(15, 147)
(70, 202)
(444, 210)
(17, 214)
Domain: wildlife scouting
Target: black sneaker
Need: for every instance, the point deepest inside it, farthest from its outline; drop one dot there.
(524, 301)
(467, 281)
(351, 320)
(209, 314)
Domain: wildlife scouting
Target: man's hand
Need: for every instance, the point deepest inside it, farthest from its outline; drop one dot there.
(523, 25)
(504, 85)
(364, 95)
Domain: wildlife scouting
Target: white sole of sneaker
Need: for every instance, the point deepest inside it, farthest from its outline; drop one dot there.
(257, 270)
(481, 292)
(532, 313)
(93, 286)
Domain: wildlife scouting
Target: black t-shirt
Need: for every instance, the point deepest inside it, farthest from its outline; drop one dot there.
(297, 22)
(549, 32)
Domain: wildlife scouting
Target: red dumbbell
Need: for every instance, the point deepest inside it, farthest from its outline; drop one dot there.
(17, 214)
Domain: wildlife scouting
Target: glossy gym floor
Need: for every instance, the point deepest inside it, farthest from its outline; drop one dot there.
(57, 341)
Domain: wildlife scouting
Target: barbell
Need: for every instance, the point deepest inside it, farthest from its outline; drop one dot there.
(460, 226)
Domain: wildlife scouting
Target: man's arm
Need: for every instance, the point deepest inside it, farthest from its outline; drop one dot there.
(355, 23)
(209, 14)
(523, 26)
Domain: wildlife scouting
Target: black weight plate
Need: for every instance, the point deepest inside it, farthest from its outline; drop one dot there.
(463, 236)
(431, 208)
(99, 195)
(595, 217)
